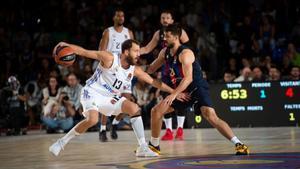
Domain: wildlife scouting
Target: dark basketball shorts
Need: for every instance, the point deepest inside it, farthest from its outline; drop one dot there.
(199, 97)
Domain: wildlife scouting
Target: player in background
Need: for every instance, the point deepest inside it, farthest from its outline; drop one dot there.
(158, 42)
(112, 39)
(182, 71)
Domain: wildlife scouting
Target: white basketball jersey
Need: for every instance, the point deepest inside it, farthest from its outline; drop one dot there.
(112, 81)
(116, 39)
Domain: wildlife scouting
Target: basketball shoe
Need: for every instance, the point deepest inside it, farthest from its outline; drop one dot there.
(113, 132)
(102, 136)
(179, 134)
(57, 147)
(156, 149)
(145, 151)
(168, 135)
(241, 149)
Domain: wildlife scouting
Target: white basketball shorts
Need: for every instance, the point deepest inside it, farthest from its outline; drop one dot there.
(103, 103)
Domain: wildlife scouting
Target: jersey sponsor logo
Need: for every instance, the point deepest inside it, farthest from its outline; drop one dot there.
(109, 88)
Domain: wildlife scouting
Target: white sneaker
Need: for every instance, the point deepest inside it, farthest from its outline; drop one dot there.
(57, 147)
(145, 151)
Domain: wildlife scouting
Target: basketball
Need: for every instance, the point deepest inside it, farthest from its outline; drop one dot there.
(65, 56)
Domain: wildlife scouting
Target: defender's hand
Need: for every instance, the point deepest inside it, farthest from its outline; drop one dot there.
(169, 99)
(183, 97)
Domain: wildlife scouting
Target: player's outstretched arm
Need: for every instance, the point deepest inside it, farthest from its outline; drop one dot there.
(103, 56)
(157, 63)
(141, 75)
(184, 38)
(151, 45)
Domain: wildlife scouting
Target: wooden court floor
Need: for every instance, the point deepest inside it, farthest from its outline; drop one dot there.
(202, 148)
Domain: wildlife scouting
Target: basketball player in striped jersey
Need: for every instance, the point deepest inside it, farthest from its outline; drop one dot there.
(111, 41)
(159, 43)
(102, 93)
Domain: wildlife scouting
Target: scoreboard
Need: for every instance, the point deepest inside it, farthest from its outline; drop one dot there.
(256, 104)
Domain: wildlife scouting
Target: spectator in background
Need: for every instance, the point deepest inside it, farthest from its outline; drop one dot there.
(266, 63)
(286, 66)
(51, 95)
(293, 54)
(257, 74)
(246, 62)
(269, 10)
(294, 73)
(15, 100)
(61, 115)
(44, 73)
(246, 75)
(228, 77)
(232, 66)
(141, 92)
(73, 90)
(87, 72)
(295, 35)
(274, 74)
(34, 95)
(246, 35)
(267, 34)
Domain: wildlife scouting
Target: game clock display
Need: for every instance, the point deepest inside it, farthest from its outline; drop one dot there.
(256, 104)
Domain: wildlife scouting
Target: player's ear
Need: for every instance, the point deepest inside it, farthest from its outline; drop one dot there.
(126, 52)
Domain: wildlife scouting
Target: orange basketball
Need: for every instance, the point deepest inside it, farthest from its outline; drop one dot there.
(65, 56)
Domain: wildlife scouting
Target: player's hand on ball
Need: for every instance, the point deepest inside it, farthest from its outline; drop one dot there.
(57, 46)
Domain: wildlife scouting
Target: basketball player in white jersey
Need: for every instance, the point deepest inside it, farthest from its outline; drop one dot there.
(111, 41)
(158, 42)
(102, 93)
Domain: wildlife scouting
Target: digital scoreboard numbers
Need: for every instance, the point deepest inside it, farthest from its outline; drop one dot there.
(256, 104)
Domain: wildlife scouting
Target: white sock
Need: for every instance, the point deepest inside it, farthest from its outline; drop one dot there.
(235, 140)
(180, 121)
(168, 123)
(138, 128)
(154, 141)
(102, 127)
(72, 133)
(115, 122)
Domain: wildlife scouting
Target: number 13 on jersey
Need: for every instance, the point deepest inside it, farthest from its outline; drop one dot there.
(117, 84)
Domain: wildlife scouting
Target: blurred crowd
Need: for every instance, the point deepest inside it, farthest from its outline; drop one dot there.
(253, 40)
